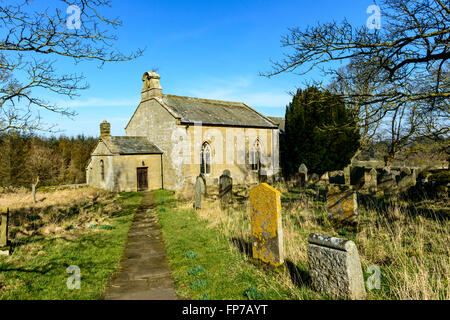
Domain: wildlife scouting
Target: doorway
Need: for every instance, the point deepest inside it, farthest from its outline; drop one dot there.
(142, 179)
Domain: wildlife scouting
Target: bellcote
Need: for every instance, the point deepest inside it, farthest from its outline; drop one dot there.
(152, 87)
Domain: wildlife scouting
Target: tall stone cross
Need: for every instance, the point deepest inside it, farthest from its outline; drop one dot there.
(267, 231)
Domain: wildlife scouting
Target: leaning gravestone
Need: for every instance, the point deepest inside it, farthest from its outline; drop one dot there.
(199, 191)
(202, 177)
(225, 188)
(267, 231)
(302, 175)
(4, 248)
(342, 204)
(335, 267)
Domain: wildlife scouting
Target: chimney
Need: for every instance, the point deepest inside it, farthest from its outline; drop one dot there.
(105, 129)
(152, 88)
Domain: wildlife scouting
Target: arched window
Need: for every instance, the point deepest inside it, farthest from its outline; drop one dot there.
(255, 156)
(205, 159)
(102, 169)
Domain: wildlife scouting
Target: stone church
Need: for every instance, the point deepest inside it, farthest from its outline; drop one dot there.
(171, 139)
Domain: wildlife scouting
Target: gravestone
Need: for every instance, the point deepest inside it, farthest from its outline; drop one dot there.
(225, 188)
(336, 177)
(267, 231)
(335, 267)
(357, 176)
(386, 180)
(407, 179)
(371, 180)
(199, 191)
(202, 176)
(324, 179)
(302, 175)
(347, 174)
(342, 204)
(314, 178)
(4, 248)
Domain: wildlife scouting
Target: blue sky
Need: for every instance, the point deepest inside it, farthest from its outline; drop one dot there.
(206, 49)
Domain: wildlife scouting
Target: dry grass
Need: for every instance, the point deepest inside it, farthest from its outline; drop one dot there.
(412, 251)
(58, 211)
(22, 198)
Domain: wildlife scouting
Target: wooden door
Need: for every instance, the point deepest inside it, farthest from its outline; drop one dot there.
(142, 179)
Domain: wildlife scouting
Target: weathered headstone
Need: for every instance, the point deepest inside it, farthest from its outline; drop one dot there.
(371, 180)
(335, 267)
(267, 230)
(225, 188)
(357, 176)
(202, 176)
(314, 178)
(342, 204)
(302, 175)
(386, 180)
(407, 179)
(336, 177)
(4, 248)
(324, 179)
(347, 174)
(199, 189)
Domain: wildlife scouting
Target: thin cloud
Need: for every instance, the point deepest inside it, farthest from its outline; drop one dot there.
(99, 102)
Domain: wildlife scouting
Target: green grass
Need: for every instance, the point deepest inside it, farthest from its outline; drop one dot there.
(37, 267)
(206, 265)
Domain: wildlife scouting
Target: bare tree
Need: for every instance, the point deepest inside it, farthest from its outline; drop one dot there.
(399, 72)
(31, 41)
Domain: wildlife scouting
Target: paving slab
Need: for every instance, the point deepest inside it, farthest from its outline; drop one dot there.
(144, 272)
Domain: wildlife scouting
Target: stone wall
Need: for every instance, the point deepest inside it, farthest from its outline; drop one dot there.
(182, 166)
(152, 120)
(120, 171)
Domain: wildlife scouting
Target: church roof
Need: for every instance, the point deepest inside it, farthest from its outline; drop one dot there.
(279, 121)
(131, 145)
(214, 112)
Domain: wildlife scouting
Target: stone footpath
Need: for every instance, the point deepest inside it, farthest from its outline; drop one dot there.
(144, 268)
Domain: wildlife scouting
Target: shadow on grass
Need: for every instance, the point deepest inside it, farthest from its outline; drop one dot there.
(298, 273)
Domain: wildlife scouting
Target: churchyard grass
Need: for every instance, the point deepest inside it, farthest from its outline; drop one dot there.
(67, 233)
(410, 248)
(197, 243)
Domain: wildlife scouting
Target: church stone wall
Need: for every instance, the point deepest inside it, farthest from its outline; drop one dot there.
(230, 147)
(121, 170)
(181, 166)
(155, 122)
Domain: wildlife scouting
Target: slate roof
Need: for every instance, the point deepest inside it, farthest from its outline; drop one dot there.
(214, 112)
(131, 145)
(279, 121)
